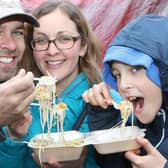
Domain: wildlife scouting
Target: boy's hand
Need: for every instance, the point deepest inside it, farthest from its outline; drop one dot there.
(153, 159)
(98, 95)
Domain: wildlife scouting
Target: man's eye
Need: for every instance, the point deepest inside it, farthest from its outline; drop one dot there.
(19, 33)
(1, 32)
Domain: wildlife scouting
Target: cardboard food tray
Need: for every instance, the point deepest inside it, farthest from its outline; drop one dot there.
(60, 153)
(116, 139)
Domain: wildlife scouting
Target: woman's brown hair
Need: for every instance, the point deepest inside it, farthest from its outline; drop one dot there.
(89, 63)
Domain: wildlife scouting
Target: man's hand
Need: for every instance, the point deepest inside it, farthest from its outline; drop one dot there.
(19, 128)
(15, 96)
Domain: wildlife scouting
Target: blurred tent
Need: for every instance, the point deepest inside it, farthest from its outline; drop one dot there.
(107, 17)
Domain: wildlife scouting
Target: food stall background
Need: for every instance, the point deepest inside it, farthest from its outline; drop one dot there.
(107, 17)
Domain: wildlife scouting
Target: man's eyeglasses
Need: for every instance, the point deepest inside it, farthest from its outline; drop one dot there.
(61, 42)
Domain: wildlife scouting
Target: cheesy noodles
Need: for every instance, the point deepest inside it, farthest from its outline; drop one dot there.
(60, 115)
(126, 109)
(46, 94)
(125, 106)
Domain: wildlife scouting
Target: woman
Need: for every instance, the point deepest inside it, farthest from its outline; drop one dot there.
(64, 47)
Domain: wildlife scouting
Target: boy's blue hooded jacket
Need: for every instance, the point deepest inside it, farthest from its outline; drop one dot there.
(146, 36)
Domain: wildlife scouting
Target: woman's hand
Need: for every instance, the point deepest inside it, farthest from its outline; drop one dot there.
(153, 159)
(52, 163)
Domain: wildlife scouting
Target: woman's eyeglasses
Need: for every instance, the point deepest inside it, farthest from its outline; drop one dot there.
(62, 42)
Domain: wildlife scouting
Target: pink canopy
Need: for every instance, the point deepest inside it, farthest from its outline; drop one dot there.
(108, 16)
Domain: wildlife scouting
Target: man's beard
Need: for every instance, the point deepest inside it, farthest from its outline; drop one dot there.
(5, 73)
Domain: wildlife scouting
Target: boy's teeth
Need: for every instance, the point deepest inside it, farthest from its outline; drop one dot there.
(132, 98)
(6, 60)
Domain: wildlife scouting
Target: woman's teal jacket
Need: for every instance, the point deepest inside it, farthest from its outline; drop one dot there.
(18, 155)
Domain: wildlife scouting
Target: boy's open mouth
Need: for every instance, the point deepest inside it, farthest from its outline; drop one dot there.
(138, 104)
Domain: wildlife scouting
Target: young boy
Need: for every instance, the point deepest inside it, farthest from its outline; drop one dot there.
(136, 64)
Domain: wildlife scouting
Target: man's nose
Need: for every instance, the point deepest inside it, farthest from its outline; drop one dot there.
(8, 42)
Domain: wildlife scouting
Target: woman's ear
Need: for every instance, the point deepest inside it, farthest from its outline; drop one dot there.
(83, 50)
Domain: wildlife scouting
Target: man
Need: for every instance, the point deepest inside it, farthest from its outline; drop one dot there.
(17, 92)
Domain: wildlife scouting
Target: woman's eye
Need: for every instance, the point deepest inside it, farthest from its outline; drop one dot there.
(63, 39)
(41, 41)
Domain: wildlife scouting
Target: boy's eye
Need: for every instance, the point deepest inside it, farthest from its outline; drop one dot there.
(137, 68)
(116, 75)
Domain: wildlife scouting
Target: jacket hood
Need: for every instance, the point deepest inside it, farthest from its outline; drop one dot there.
(145, 35)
